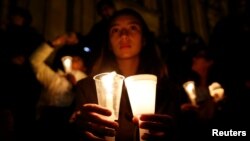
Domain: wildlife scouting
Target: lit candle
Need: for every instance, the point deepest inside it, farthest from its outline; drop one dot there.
(67, 63)
(108, 84)
(109, 88)
(142, 93)
(216, 91)
(190, 90)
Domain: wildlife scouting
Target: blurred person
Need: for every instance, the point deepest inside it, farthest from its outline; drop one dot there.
(56, 100)
(230, 37)
(129, 49)
(19, 99)
(94, 39)
(203, 114)
(170, 45)
(21, 38)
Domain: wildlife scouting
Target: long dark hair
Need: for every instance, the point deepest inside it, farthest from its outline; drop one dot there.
(150, 59)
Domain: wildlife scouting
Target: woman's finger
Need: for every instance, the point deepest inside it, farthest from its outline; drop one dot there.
(100, 130)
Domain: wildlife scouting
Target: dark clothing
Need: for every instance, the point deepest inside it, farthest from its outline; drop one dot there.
(165, 104)
(21, 41)
(53, 124)
(20, 84)
(94, 39)
(230, 40)
(21, 92)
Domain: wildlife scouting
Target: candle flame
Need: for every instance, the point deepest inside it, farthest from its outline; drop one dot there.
(67, 63)
(190, 89)
(108, 80)
(216, 91)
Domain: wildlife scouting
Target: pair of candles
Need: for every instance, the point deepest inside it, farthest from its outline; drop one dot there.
(141, 91)
(215, 90)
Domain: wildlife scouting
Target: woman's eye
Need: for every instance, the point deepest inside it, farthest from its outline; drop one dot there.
(134, 28)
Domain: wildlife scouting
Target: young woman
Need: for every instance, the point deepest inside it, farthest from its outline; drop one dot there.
(129, 49)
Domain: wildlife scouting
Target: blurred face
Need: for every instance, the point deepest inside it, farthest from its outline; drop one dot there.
(200, 64)
(78, 63)
(107, 11)
(126, 37)
(18, 20)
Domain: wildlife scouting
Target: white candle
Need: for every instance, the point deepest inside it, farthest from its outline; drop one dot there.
(108, 83)
(142, 93)
(142, 96)
(67, 63)
(109, 90)
(190, 90)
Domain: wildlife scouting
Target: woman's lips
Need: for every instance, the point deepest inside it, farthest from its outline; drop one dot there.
(125, 46)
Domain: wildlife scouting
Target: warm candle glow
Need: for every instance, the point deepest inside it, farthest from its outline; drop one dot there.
(189, 87)
(67, 63)
(109, 89)
(142, 94)
(216, 91)
(108, 83)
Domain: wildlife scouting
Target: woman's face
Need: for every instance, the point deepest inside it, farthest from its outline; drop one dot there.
(126, 37)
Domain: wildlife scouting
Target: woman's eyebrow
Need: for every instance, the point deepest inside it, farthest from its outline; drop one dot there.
(130, 22)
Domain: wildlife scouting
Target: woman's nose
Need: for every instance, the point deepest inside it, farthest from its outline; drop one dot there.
(123, 32)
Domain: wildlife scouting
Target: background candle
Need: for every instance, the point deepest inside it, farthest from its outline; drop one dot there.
(216, 91)
(67, 63)
(189, 87)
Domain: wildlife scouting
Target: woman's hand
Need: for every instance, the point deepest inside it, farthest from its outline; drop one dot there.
(59, 41)
(160, 126)
(185, 107)
(94, 123)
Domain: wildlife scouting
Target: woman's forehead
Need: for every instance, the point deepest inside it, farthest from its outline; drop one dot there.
(125, 19)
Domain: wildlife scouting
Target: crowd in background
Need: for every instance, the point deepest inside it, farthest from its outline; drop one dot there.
(29, 103)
